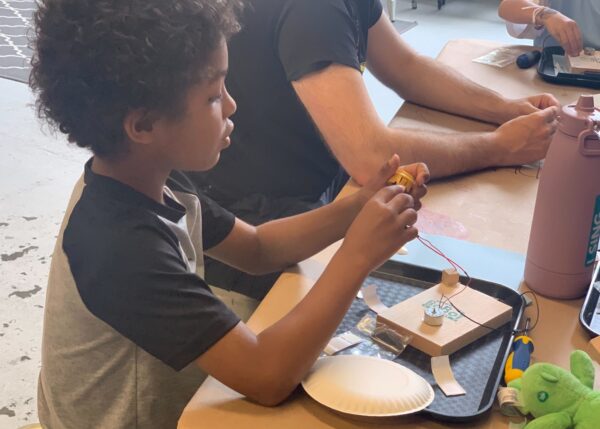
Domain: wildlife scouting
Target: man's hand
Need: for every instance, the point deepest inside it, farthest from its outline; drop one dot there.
(563, 29)
(535, 103)
(418, 170)
(526, 139)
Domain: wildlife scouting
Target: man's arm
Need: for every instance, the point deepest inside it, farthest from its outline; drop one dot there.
(268, 366)
(425, 81)
(266, 248)
(338, 103)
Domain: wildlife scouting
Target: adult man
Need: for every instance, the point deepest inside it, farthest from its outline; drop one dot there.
(304, 111)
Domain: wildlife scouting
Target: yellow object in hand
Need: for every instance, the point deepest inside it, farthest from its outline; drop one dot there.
(402, 178)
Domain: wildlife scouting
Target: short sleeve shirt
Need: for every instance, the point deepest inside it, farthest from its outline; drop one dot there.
(127, 310)
(276, 150)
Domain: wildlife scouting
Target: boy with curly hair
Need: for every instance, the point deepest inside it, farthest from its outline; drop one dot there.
(131, 328)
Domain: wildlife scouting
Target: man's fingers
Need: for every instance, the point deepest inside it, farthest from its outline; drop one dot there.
(419, 171)
(549, 114)
(552, 127)
(548, 100)
(423, 175)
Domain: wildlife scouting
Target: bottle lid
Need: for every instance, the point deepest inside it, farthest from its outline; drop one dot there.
(575, 118)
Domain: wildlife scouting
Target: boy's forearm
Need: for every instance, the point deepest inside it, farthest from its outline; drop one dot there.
(310, 232)
(308, 327)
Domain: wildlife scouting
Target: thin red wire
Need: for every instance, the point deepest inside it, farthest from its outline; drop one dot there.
(454, 264)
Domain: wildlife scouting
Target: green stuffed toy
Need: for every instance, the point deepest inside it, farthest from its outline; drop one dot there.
(559, 399)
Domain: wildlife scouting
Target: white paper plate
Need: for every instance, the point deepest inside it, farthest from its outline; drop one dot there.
(367, 386)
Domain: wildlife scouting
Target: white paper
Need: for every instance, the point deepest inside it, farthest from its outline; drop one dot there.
(442, 373)
(341, 342)
(372, 299)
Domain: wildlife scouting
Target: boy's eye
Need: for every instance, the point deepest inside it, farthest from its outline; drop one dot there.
(215, 98)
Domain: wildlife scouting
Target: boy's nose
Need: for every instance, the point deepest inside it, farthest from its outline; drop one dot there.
(230, 105)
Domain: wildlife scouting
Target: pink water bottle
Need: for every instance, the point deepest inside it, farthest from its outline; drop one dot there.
(566, 221)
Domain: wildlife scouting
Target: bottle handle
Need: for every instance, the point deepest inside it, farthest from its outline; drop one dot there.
(593, 131)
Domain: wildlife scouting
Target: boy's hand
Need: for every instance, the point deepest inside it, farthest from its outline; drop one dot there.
(383, 226)
(418, 170)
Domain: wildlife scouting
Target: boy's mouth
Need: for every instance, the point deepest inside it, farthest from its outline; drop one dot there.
(228, 130)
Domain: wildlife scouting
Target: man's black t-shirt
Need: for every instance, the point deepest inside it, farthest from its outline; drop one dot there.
(276, 150)
(278, 164)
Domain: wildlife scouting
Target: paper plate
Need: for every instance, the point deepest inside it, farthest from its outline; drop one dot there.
(367, 386)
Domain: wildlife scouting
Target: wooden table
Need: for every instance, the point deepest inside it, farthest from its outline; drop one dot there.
(492, 208)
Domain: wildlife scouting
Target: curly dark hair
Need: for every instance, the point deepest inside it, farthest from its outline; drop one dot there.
(96, 60)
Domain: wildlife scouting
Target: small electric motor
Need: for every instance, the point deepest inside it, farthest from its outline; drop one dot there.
(402, 178)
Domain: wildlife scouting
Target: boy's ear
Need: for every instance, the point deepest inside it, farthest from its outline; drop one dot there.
(139, 126)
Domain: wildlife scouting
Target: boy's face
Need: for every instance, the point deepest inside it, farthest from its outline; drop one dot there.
(194, 142)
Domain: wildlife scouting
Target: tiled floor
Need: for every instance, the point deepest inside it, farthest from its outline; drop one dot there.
(38, 171)
(15, 21)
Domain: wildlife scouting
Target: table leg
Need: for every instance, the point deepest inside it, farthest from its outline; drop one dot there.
(414, 4)
(392, 9)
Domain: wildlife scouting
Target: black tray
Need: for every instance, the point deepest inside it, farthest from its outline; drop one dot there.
(546, 71)
(589, 317)
(478, 367)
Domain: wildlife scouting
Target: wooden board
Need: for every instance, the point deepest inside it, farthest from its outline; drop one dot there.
(584, 63)
(457, 330)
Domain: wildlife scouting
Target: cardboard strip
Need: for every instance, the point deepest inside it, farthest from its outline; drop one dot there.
(341, 342)
(442, 373)
(372, 300)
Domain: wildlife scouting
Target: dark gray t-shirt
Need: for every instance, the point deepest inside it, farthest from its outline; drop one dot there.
(127, 311)
(276, 151)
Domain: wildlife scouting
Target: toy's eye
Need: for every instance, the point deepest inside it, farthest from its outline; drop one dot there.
(543, 396)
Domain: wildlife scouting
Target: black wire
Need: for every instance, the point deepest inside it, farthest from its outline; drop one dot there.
(468, 318)
(428, 244)
(537, 311)
(465, 286)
